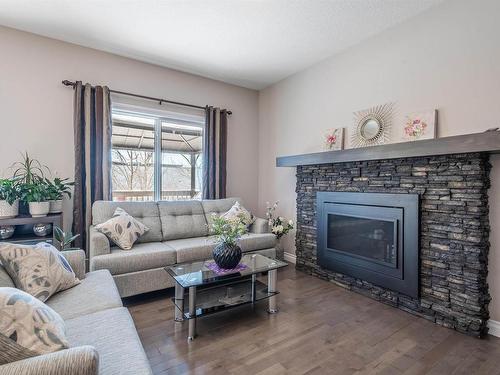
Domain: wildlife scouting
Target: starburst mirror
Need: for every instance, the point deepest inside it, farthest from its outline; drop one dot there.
(372, 126)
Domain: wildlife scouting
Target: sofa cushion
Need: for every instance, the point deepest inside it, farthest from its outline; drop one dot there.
(200, 248)
(141, 257)
(28, 327)
(182, 219)
(257, 241)
(113, 334)
(192, 249)
(238, 212)
(123, 229)
(146, 212)
(96, 292)
(39, 270)
(217, 206)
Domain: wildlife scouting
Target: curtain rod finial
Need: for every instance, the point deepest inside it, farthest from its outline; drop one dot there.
(68, 83)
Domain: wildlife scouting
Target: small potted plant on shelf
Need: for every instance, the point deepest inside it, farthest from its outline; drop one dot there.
(9, 198)
(37, 196)
(227, 253)
(57, 189)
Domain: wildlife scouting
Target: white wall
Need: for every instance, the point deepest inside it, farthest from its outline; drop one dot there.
(36, 109)
(447, 58)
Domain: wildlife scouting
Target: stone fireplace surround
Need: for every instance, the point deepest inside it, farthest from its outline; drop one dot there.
(454, 231)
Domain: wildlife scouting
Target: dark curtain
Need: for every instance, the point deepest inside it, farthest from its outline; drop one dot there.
(214, 153)
(92, 128)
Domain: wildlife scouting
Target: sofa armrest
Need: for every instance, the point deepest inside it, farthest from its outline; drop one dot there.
(81, 360)
(76, 259)
(98, 243)
(260, 226)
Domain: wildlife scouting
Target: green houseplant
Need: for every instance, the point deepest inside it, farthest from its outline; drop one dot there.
(57, 189)
(64, 239)
(9, 198)
(29, 170)
(227, 253)
(37, 195)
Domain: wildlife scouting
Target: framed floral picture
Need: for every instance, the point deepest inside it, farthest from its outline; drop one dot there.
(420, 125)
(334, 139)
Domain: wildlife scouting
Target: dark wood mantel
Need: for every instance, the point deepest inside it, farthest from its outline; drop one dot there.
(478, 142)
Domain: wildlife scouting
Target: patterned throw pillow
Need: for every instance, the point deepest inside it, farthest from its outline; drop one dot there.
(39, 270)
(28, 327)
(239, 212)
(122, 229)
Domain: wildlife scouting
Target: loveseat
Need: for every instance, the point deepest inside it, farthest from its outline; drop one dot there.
(101, 333)
(179, 232)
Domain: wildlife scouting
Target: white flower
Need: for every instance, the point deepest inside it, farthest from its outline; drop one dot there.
(280, 228)
(281, 218)
(290, 222)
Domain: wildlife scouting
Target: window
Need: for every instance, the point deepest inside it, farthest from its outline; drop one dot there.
(154, 156)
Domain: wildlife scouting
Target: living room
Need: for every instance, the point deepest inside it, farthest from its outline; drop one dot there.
(249, 187)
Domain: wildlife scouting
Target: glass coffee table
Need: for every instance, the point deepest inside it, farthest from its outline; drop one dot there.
(210, 290)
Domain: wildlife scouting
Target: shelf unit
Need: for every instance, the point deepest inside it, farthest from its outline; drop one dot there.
(461, 144)
(25, 221)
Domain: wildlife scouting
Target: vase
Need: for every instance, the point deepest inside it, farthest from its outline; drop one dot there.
(39, 209)
(227, 256)
(56, 206)
(6, 231)
(8, 211)
(42, 229)
(280, 249)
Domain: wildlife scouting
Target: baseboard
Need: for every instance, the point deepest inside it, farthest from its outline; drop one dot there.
(494, 328)
(292, 259)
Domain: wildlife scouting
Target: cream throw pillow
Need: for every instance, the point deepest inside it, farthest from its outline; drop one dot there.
(122, 229)
(239, 212)
(39, 270)
(28, 327)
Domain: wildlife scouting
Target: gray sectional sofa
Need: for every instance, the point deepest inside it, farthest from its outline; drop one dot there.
(100, 330)
(179, 232)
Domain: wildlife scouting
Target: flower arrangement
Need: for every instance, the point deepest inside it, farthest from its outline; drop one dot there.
(227, 231)
(279, 225)
(415, 127)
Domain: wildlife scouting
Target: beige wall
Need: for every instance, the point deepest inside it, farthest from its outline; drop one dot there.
(447, 58)
(36, 109)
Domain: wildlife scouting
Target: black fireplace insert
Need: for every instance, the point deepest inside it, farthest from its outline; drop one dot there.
(370, 236)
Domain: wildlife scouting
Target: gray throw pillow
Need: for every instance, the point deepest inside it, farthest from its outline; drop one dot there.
(28, 327)
(238, 212)
(39, 270)
(122, 229)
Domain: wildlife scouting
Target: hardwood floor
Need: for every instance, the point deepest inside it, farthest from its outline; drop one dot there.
(320, 329)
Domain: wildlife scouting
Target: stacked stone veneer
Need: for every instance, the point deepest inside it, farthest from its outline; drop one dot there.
(454, 231)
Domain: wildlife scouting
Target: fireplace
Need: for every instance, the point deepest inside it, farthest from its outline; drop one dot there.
(370, 236)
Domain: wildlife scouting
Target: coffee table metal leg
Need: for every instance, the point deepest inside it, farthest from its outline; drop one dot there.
(272, 279)
(179, 301)
(192, 313)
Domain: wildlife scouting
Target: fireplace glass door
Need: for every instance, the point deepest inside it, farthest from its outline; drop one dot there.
(372, 237)
(364, 237)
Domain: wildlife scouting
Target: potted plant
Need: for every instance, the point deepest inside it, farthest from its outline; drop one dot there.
(279, 225)
(9, 198)
(27, 172)
(227, 253)
(57, 189)
(64, 239)
(37, 196)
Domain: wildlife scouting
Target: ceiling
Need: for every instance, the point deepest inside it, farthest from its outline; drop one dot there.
(249, 43)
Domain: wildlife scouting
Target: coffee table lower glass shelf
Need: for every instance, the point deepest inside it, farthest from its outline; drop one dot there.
(199, 291)
(220, 298)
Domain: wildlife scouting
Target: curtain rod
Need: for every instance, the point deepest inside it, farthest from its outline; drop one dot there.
(73, 84)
